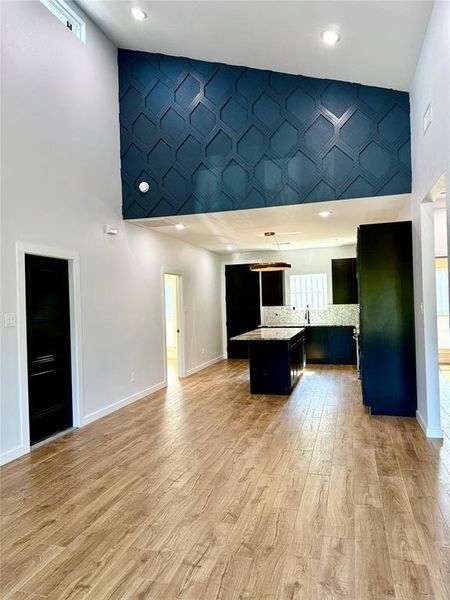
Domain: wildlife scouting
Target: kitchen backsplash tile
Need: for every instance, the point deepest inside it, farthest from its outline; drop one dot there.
(335, 314)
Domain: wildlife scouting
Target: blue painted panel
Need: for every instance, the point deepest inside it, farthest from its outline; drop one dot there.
(210, 137)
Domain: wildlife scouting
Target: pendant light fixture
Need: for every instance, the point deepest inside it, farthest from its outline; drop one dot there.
(263, 267)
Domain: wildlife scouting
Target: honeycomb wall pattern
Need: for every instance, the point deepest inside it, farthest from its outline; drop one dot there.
(210, 137)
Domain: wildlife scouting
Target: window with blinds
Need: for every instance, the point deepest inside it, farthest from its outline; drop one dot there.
(309, 291)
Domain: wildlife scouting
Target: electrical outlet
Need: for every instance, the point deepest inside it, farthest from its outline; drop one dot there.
(10, 320)
(203, 351)
(132, 377)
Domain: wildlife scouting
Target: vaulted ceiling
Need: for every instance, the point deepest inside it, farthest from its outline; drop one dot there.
(379, 46)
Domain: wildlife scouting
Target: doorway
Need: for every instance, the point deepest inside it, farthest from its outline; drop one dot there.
(173, 317)
(48, 346)
(435, 311)
(442, 308)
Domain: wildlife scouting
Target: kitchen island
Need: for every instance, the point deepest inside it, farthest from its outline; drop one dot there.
(277, 358)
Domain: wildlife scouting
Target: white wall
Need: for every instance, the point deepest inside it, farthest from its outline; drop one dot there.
(440, 232)
(60, 185)
(305, 261)
(430, 160)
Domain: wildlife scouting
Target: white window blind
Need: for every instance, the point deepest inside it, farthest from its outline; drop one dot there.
(309, 291)
(64, 13)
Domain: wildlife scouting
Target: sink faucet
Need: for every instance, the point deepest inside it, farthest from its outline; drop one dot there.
(307, 317)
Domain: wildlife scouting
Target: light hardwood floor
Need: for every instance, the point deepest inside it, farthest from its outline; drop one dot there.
(203, 491)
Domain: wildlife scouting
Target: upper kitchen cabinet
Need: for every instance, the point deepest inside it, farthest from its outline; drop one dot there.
(272, 288)
(386, 300)
(345, 283)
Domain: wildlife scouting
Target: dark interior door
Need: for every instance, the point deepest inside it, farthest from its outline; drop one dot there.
(242, 300)
(48, 339)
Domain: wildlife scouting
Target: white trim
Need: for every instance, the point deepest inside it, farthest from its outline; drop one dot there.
(427, 365)
(180, 321)
(204, 365)
(223, 305)
(72, 257)
(13, 454)
(430, 432)
(90, 418)
(103, 412)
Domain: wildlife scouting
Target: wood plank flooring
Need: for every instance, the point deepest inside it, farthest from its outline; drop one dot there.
(202, 491)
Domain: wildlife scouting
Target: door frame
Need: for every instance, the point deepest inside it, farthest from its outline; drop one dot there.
(72, 257)
(431, 421)
(180, 321)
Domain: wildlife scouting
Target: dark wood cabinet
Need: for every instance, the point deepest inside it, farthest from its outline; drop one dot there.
(341, 346)
(316, 345)
(242, 300)
(387, 338)
(275, 366)
(344, 280)
(333, 345)
(272, 288)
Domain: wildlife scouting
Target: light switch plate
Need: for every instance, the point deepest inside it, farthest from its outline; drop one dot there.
(10, 319)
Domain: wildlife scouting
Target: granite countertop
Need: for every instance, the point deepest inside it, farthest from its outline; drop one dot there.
(282, 334)
(309, 325)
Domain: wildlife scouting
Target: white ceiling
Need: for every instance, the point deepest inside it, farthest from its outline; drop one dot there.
(297, 226)
(380, 39)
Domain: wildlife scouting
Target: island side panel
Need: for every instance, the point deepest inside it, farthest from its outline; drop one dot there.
(270, 370)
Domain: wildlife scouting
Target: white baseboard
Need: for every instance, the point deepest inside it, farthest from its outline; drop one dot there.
(103, 412)
(7, 457)
(204, 365)
(430, 432)
(10, 455)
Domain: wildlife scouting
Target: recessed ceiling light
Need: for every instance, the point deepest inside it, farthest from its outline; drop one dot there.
(138, 14)
(179, 226)
(330, 37)
(325, 213)
(229, 248)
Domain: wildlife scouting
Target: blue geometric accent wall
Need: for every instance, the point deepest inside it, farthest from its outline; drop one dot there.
(210, 137)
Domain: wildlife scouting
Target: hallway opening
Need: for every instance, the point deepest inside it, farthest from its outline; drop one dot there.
(435, 308)
(442, 307)
(172, 302)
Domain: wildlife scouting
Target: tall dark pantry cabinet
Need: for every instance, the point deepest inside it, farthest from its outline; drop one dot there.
(386, 298)
(243, 311)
